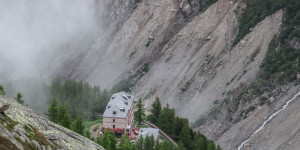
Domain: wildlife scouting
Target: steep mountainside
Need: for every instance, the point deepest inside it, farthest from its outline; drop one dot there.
(24, 128)
(182, 51)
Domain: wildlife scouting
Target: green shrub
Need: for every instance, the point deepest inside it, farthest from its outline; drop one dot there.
(2, 90)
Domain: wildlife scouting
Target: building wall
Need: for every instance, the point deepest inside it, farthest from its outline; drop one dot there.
(119, 123)
(130, 116)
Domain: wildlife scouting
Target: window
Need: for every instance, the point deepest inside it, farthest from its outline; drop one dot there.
(114, 126)
(114, 120)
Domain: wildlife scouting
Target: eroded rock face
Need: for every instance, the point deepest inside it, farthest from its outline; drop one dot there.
(24, 125)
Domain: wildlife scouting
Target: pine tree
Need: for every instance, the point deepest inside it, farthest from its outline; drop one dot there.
(148, 144)
(166, 120)
(52, 111)
(199, 142)
(78, 125)
(185, 136)
(152, 142)
(19, 98)
(140, 112)
(165, 145)
(124, 143)
(2, 90)
(211, 146)
(62, 110)
(113, 142)
(156, 145)
(180, 146)
(218, 147)
(88, 135)
(178, 125)
(140, 143)
(64, 117)
(105, 141)
(67, 120)
(155, 111)
(99, 140)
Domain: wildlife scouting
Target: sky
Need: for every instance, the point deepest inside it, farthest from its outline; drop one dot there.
(31, 28)
(31, 35)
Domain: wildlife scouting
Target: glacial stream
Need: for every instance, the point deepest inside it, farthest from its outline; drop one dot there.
(269, 119)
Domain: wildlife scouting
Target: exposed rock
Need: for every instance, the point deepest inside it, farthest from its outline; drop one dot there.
(37, 145)
(294, 42)
(19, 128)
(52, 132)
(271, 99)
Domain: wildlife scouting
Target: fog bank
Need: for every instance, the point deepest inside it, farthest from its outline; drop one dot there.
(33, 31)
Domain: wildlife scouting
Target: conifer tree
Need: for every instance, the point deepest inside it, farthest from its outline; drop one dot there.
(148, 144)
(105, 141)
(64, 117)
(88, 135)
(178, 125)
(99, 140)
(140, 112)
(19, 97)
(155, 111)
(199, 142)
(166, 120)
(165, 145)
(52, 111)
(156, 144)
(152, 142)
(2, 90)
(180, 146)
(140, 143)
(78, 125)
(185, 136)
(62, 110)
(218, 147)
(113, 142)
(211, 146)
(67, 120)
(124, 143)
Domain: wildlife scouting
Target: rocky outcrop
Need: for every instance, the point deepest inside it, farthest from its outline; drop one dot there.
(27, 129)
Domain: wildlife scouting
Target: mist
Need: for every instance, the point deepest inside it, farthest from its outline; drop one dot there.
(32, 32)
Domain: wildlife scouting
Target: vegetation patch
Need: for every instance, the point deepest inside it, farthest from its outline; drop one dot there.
(255, 12)
(204, 6)
(10, 124)
(127, 84)
(88, 124)
(2, 90)
(254, 54)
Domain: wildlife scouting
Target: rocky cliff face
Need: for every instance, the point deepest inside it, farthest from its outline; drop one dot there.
(23, 128)
(191, 63)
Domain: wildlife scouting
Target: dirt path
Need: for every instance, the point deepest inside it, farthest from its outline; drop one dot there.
(95, 130)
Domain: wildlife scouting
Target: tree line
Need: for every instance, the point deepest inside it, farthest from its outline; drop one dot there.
(78, 96)
(282, 61)
(178, 128)
(59, 114)
(109, 142)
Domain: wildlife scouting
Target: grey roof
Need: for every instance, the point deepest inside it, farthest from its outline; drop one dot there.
(118, 105)
(149, 132)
